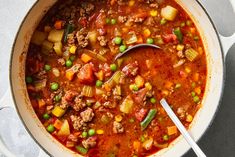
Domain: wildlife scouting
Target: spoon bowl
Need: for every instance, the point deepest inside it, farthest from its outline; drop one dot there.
(134, 47)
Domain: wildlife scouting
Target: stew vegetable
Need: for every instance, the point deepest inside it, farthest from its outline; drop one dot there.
(96, 106)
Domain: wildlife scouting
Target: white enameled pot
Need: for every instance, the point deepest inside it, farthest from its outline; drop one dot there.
(216, 48)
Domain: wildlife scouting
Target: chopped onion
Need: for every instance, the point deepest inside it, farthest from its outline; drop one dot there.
(56, 72)
(131, 38)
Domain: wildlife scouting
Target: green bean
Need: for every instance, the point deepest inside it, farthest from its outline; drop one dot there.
(179, 34)
(81, 150)
(148, 119)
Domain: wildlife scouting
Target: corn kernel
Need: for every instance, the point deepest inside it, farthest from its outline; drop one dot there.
(165, 92)
(148, 86)
(153, 13)
(131, 3)
(198, 90)
(189, 118)
(118, 118)
(187, 70)
(139, 81)
(200, 50)
(72, 49)
(146, 33)
(99, 131)
(180, 47)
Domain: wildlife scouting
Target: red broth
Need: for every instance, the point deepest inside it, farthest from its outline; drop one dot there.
(96, 106)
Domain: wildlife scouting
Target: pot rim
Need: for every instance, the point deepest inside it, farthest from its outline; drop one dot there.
(44, 149)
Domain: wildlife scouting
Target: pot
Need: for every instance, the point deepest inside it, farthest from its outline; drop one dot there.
(216, 47)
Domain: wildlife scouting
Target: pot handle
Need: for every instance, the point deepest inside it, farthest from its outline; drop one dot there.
(227, 42)
(6, 102)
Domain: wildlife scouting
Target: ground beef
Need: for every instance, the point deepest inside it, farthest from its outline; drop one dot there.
(82, 37)
(108, 104)
(79, 104)
(103, 41)
(70, 38)
(122, 19)
(86, 9)
(117, 127)
(181, 113)
(75, 68)
(153, 5)
(87, 115)
(68, 98)
(73, 138)
(41, 75)
(106, 69)
(78, 123)
(89, 143)
(131, 69)
(61, 61)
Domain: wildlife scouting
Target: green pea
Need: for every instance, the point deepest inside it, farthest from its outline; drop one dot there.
(91, 132)
(163, 21)
(149, 41)
(29, 79)
(135, 87)
(107, 20)
(54, 86)
(46, 116)
(68, 63)
(47, 67)
(165, 137)
(84, 134)
(122, 48)
(196, 38)
(113, 67)
(153, 100)
(118, 40)
(99, 83)
(193, 94)
(196, 99)
(142, 139)
(72, 58)
(50, 128)
(113, 21)
(57, 98)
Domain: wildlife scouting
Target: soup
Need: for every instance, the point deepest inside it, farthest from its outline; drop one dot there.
(98, 106)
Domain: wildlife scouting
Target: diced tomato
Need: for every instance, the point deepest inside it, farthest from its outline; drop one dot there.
(140, 115)
(83, 21)
(169, 38)
(85, 74)
(139, 95)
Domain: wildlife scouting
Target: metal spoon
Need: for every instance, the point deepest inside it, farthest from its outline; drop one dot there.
(134, 47)
(182, 129)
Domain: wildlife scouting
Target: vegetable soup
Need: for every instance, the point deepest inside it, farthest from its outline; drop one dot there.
(98, 106)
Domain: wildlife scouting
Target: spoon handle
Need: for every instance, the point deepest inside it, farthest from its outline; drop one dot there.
(182, 129)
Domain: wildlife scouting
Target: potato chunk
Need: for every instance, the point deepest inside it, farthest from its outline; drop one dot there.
(169, 13)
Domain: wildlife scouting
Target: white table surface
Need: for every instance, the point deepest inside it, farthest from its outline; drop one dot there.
(11, 128)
